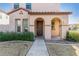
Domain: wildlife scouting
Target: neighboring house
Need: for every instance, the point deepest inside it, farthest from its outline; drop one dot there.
(4, 21)
(43, 19)
(74, 26)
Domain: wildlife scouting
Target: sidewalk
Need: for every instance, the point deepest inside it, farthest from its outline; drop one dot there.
(38, 48)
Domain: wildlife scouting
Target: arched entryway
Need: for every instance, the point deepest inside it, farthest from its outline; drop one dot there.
(56, 27)
(39, 27)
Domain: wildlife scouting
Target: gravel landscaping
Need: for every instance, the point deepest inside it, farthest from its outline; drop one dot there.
(14, 48)
(59, 49)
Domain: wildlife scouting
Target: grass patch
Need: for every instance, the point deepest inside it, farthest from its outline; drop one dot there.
(60, 50)
(14, 48)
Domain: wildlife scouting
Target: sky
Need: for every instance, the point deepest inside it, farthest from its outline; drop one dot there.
(72, 7)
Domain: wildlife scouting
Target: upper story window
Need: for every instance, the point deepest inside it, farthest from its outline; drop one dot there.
(28, 5)
(16, 5)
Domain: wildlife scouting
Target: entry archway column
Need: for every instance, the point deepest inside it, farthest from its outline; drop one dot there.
(47, 28)
(64, 31)
(48, 32)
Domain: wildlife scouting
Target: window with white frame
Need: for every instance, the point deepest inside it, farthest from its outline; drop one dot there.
(6, 17)
(16, 5)
(28, 5)
(0, 16)
(18, 25)
(25, 25)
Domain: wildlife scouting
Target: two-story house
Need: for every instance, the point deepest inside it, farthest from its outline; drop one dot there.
(43, 19)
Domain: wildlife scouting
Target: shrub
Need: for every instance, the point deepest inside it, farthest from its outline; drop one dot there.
(72, 35)
(9, 36)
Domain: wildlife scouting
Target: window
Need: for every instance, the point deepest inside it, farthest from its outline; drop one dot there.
(0, 16)
(6, 17)
(18, 22)
(18, 28)
(53, 26)
(16, 5)
(25, 25)
(18, 25)
(28, 5)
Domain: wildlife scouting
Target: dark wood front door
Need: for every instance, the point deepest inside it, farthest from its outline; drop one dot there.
(39, 28)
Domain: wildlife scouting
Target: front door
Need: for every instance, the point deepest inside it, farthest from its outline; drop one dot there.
(39, 28)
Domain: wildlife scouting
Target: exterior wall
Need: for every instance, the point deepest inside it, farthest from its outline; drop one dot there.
(4, 22)
(41, 7)
(16, 15)
(22, 5)
(4, 28)
(64, 31)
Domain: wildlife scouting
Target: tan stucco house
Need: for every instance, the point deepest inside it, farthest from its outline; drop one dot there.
(43, 19)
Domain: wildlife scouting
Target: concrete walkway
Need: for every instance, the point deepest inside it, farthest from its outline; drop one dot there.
(38, 48)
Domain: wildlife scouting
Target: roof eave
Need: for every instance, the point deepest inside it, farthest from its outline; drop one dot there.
(17, 10)
(50, 13)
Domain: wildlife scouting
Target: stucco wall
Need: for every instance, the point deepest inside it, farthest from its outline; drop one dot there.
(4, 28)
(43, 7)
(64, 31)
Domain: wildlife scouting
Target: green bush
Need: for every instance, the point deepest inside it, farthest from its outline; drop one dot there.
(9, 36)
(72, 35)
